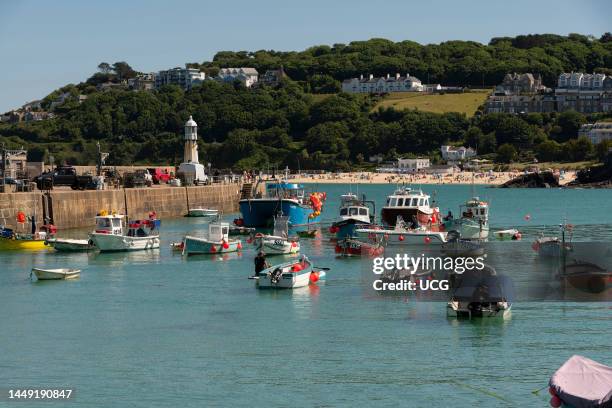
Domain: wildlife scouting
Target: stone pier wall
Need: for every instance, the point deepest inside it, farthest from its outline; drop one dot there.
(75, 209)
(11, 203)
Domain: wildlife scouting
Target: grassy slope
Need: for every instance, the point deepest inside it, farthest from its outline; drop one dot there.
(465, 103)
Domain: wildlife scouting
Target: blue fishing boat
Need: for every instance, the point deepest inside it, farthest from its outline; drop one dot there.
(284, 198)
(353, 214)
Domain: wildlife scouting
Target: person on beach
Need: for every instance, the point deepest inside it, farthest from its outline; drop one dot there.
(260, 263)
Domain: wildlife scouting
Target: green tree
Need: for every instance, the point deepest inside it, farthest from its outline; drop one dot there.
(568, 123)
(548, 150)
(506, 153)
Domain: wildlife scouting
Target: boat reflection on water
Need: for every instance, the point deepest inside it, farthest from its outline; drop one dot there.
(222, 257)
(113, 259)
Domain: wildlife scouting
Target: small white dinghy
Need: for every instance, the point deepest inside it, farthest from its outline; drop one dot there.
(70, 245)
(279, 243)
(55, 274)
(202, 212)
(289, 275)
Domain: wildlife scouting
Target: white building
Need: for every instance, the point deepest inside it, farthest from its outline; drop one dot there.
(596, 132)
(453, 154)
(186, 78)
(248, 76)
(397, 83)
(578, 80)
(412, 165)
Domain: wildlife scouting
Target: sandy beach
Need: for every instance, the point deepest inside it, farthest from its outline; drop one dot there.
(465, 177)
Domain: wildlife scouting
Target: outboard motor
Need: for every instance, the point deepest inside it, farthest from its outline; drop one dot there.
(276, 274)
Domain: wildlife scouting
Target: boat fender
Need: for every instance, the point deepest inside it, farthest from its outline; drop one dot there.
(225, 244)
(555, 401)
(314, 277)
(90, 242)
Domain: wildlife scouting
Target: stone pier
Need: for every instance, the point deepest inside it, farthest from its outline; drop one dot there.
(76, 209)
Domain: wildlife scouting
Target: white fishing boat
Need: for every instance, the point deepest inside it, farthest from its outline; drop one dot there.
(474, 221)
(56, 274)
(216, 241)
(288, 275)
(511, 234)
(109, 234)
(70, 245)
(279, 243)
(202, 212)
(401, 235)
(414, 208)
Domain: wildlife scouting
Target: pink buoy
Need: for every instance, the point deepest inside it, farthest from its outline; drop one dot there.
(427, 240)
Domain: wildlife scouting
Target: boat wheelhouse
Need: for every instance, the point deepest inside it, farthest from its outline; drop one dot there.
(412, 205)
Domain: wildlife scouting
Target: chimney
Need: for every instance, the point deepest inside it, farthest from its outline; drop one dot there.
(397, 75)
(371, 76)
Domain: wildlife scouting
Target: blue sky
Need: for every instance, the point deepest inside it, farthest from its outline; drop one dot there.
(47, 44)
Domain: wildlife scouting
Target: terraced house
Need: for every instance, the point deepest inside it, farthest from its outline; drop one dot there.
(585, 93)
(386, 84)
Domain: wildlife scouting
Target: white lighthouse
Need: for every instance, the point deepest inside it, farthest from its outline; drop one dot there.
(191, 142)
(191, 170)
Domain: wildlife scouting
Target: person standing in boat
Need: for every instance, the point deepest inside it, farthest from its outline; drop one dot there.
(260, 263)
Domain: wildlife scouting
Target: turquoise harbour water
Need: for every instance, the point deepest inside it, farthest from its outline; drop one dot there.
(151, 328)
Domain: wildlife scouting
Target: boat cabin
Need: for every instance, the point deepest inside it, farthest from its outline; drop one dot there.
(109, 224)
(408, 198)
(218, 231)
(143, 228)
(356, 212)
(291, 191)
(476, 209)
